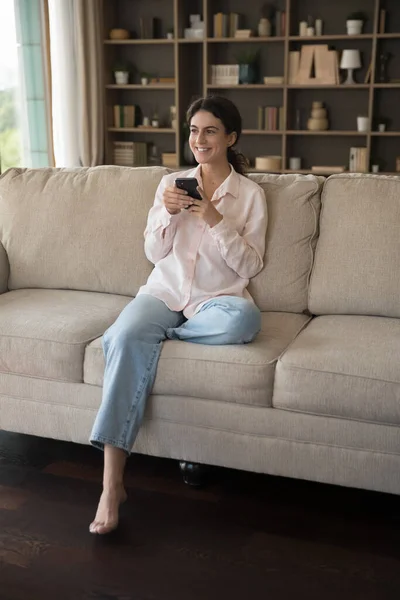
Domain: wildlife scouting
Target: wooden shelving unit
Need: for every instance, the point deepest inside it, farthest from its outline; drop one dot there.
(188, 60)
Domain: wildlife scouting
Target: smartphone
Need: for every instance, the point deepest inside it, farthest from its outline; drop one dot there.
(189, 184)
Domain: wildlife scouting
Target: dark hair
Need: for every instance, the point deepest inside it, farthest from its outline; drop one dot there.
(227, 112)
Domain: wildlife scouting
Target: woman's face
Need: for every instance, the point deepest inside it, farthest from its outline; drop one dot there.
(208, 140)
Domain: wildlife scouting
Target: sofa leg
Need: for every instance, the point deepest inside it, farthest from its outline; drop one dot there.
(194, 474)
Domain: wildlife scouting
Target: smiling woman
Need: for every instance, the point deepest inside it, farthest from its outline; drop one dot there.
(215, 128)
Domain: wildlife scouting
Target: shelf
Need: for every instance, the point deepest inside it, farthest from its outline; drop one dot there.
(136, 42)
(141, 129)
(262, 132)
(340, 36)
(189, 41)
(138, 86)
(386, 133)
(260, 40)
(388, 36)
(337, 86)
(387, 85)
(245, 86)
(328, 132)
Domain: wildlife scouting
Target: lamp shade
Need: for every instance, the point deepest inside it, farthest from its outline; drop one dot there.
(351, 59)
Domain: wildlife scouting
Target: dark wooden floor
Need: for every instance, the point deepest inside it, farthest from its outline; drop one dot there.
(245, 536)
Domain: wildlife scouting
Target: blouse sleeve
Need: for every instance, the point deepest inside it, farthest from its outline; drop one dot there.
(161, 227)
(244, 253)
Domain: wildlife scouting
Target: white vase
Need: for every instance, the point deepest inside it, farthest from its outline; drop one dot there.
(362, 123)
(121, 77)
(354, 27)
(144, 81)
(264, 28)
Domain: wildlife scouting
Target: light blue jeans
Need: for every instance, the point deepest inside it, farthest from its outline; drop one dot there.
(132, 346)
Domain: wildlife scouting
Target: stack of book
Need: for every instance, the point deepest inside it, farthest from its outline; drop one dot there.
(358, 160)
(271, 118)
(129, 154)
(224, 74)
(124, 115)
(226, 25)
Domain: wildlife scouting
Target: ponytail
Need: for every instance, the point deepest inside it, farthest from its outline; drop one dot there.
(238, 161)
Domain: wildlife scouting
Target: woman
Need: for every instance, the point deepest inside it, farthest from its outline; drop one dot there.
(204, 257)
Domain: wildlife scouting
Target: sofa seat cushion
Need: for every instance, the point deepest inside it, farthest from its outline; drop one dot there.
(241, 374)
(43, 333)
(343, 366)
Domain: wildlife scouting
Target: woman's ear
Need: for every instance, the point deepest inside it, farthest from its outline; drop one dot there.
(232, 139)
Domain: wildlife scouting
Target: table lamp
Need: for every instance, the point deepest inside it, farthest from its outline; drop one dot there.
(350, 60)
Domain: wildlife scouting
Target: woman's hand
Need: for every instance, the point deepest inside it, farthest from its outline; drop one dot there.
(175, 199)
(204, 209)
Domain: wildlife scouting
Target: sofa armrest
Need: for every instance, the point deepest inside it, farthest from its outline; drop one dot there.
(4, 270)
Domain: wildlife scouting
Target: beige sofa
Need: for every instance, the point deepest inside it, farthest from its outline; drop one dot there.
(314, 398)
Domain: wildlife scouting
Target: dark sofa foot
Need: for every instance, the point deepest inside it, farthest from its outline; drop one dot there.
(194, 474)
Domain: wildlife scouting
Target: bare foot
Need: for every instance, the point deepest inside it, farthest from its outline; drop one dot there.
(106, 519)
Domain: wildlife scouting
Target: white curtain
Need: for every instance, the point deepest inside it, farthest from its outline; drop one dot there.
(64, 83)
(77, 82)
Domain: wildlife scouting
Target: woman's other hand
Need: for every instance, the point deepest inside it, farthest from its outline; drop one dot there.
(175, 199)
(204, 209)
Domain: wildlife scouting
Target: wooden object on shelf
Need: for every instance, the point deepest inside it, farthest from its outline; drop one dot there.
(319, 119)
(268, 163)
(243, 33)
(327, 170)
(273, 80)
(119, 34)
(322, 61)
(169, 159)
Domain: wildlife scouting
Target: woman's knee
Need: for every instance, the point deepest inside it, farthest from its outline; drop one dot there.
(244, 322)
(124, 335)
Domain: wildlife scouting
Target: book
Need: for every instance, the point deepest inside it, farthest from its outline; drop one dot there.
(260, 117)
(382, 20)
(234, 21)
(124, 115)
(294, 62)
(283, 23)
(358, 160)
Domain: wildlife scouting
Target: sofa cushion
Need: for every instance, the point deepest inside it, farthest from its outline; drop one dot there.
(78, 229)
(343, 366)
(293, 203)
(43, 333)
(358, 250)
(241, 374)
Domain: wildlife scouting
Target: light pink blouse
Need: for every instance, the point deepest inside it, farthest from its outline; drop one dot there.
(194, 262)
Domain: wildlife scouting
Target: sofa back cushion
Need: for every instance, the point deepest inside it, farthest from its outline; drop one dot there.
(77, 229)
(83, 229)
(357, 262)
(293, 203)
